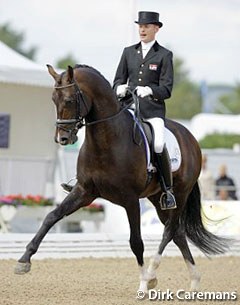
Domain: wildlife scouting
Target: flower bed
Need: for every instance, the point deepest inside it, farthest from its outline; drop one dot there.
(38, 200)
(94, 208)
(29, 200)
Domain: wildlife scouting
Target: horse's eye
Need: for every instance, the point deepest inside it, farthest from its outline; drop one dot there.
(69, 102)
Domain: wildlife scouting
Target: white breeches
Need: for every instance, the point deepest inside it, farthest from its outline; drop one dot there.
(158, 127)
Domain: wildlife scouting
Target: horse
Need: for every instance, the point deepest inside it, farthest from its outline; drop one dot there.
(112, 166)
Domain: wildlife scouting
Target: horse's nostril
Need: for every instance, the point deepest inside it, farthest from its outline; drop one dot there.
(63, 140)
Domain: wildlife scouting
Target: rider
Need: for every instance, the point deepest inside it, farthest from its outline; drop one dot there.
(148, 68)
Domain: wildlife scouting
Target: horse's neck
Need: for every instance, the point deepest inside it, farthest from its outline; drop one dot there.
(104, 134)
(107, 123)
(102, 109)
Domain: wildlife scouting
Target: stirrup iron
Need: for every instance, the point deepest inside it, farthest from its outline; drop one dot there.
(167, 201)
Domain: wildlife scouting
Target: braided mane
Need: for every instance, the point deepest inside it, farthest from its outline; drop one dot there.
(90, 68)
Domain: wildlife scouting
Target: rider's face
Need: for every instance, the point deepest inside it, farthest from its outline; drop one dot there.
(147, 32)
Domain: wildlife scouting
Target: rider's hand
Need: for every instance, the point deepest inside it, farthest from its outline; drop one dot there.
(121, 90)
(144, 91)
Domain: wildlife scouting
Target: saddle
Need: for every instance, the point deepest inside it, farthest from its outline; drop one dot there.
(143, 131)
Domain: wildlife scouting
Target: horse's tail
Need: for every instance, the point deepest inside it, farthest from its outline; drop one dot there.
(191, 220)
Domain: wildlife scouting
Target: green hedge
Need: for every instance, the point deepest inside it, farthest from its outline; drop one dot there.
(219, 140)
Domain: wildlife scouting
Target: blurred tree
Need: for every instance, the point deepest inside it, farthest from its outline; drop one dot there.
(232, 100)
(15, 40)
(186, 99)
(67, 60)
(180, 72)
(219, 140)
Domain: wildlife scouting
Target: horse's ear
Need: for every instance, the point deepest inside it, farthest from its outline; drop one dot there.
(70, 74)
(53, 73)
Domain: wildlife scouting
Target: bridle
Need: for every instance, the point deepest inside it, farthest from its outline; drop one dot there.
(79, 120)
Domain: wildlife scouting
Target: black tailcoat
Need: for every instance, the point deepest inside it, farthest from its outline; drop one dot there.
(154, 71)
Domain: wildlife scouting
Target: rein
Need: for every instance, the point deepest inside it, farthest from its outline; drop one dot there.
(79, 120)
(108, 118)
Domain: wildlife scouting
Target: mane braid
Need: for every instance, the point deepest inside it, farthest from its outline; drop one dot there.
(90, 68)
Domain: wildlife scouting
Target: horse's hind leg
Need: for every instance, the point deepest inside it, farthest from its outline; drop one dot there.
(181, 241)
(156, 259)
(171, 222)
(76, 199)
(173, 231)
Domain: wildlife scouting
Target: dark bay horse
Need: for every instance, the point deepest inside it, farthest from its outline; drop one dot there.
(111, 166)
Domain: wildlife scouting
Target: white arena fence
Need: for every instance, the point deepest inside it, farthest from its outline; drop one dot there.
(225, 218)
(68, 245)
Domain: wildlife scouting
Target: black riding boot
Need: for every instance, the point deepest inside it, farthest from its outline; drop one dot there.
(167, 200)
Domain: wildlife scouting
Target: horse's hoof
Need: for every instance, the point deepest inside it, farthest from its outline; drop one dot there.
(152, 283)
(22, 268)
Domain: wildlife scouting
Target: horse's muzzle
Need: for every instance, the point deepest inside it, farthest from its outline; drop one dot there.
(64, 141)
(68, 140)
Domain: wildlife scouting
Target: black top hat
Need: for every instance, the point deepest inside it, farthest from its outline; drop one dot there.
(149, 18)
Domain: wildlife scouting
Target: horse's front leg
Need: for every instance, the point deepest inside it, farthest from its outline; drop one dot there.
(76, 199)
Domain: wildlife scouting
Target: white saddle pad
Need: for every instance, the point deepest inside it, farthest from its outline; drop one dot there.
(171, 143)
(173, 150)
